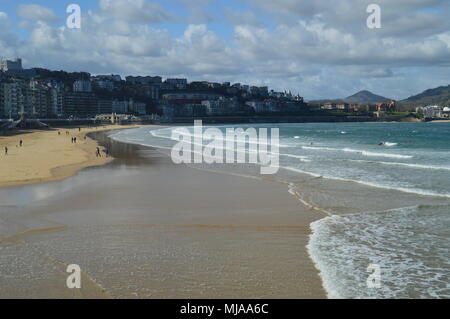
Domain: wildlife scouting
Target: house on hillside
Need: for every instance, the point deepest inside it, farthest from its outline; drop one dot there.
(386, 106)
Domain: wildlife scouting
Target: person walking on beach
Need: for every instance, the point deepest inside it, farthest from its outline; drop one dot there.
(21, 143)
(75, 140)
(6, 150)
(98, 152)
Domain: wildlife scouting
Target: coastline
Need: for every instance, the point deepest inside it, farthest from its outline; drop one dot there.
(228, 234)
(47, 157)
(224, 236)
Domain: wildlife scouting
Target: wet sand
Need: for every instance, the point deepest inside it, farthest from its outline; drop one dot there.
(142, 227)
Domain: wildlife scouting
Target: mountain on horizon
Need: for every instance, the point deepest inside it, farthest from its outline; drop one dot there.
(362, 97)
(436, 96)
(365, 97)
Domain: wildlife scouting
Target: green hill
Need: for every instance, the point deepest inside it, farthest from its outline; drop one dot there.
(437, 96)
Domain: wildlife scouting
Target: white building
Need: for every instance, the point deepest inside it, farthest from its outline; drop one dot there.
(446, 112)
(11, 99)
(7, 65)
(431, 111)
(84, 86)
(38, 104)
(263, 106)
(105, 85)
(221, 106)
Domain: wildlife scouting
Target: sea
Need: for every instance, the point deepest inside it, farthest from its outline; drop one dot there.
(383, 192)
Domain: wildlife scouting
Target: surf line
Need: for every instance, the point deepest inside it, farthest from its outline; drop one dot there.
(229, 147)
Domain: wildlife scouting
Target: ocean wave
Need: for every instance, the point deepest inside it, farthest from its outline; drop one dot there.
(416, 191)
(178, 131)
(342, 247)
(418, 166)
(389, 144)
(361, 152)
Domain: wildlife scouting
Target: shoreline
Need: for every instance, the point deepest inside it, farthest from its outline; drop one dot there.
(315, 214)
(223, 211)
(248, 236)
(35, 162)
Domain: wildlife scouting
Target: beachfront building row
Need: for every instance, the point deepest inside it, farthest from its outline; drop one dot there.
(434, 111)
(33, 98)
(41, 93)
(49, 99)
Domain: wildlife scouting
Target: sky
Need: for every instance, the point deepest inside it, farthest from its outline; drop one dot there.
(319, 49)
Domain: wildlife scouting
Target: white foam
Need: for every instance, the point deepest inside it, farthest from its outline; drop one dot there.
(343, 246)
(418, 166)
(416, 191)
(389, 144)
(361, 152)
(367, 153)
(218, 138)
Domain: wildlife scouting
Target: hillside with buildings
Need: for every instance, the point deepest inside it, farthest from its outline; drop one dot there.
(46, 94)
(38, 93)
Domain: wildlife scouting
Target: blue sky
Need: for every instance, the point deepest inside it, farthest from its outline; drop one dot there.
(320, 49)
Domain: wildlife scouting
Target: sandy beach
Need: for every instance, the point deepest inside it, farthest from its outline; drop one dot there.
(46, 156)
(139, 227)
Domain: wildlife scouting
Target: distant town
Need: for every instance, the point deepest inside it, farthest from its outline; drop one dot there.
(58, 95)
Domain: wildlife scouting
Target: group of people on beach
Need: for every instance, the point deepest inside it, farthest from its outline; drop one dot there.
(20, 145)
(99, 154)
(74, 140)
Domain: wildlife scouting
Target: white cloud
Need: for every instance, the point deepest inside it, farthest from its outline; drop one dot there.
(36, 12)
(242, 17)
(309, 54)
(137, 11)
